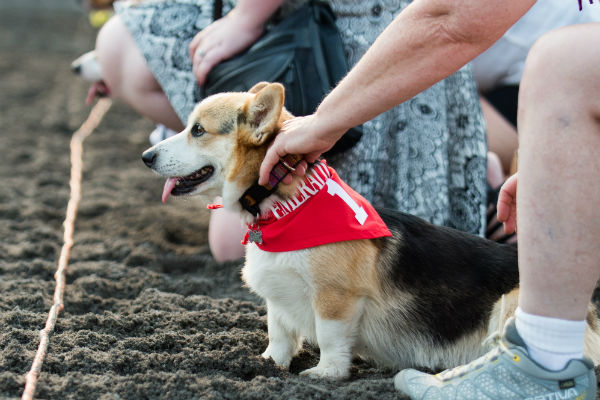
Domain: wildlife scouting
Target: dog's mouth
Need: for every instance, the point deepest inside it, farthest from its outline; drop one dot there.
(178, 186)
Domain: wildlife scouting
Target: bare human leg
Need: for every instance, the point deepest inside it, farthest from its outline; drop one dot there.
(558, 194)
(128, 77)
(559, 223)
(225, 234)
(501, 135)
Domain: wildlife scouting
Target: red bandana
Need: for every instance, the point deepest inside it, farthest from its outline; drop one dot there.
(315, 216)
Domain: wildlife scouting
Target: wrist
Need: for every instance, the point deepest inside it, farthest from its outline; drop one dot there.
(330, 129)
(246, 22)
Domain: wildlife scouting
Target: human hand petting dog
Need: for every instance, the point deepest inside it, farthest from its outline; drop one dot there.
(507, 204)
(229, 35)
(301, 135)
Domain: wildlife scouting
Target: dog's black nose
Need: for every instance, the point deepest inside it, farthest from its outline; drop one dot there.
(149, 156)
(76, 68)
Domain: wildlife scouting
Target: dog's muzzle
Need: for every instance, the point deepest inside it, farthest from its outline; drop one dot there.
(149, 157)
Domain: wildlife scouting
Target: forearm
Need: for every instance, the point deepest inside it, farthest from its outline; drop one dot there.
(428, 41)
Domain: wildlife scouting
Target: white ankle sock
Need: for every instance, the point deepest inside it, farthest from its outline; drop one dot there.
(551, 342)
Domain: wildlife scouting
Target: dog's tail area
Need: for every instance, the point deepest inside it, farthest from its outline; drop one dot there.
(592, 335)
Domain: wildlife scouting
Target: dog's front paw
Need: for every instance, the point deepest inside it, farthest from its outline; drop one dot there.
(282, 357)
(329, 372)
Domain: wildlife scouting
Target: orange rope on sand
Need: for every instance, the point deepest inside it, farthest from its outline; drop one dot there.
(79, 136)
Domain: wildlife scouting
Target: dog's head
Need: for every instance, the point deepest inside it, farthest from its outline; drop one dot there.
(88, 67)
(221, 149)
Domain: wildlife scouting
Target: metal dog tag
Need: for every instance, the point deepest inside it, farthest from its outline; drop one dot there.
(255, 235)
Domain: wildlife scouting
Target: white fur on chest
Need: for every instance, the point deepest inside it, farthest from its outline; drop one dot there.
(284, 280)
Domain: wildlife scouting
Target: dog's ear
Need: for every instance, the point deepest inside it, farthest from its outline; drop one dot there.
(258, 87)
(263, 112)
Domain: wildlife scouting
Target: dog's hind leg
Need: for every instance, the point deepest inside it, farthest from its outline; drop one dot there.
(284, 344)
(344, 274)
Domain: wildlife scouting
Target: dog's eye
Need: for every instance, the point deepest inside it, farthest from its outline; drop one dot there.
(197, 130)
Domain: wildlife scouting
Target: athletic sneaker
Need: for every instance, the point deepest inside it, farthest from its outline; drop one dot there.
(506, 372)
(160, 133)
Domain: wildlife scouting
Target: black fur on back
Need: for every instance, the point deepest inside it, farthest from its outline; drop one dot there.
(456, 277)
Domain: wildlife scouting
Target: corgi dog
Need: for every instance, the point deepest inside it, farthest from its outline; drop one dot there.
(400, 292)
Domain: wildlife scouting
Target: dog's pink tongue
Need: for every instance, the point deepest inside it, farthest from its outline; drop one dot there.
(169, 186)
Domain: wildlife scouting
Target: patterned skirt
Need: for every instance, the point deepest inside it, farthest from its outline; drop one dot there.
(426, 157)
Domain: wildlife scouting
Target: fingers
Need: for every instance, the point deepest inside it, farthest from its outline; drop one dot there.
(198, 40)
(284, 144)
(270, 160)
(510, 226)
(312, 157)
(287, 179)
(202, 53)
(298, 135)
(509, 220)
(300, 170)
(205, 60)
(194, 45)
(507, 199)
(221, 40)
(507, 204)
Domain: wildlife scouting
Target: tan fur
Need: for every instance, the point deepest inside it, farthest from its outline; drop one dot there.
(343, 272)
(250, 147)
(503, 309)
(592, 335)
(245, 165)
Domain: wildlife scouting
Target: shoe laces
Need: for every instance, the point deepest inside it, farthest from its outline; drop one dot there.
(478, 363)
(494, 342)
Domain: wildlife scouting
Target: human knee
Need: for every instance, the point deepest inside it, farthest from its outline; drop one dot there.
(225, 234)
(563, 60)
(223, 252)
(109, 50)
(123, 66)
(223, 248)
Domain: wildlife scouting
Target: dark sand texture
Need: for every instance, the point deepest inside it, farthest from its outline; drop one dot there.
(148, 313)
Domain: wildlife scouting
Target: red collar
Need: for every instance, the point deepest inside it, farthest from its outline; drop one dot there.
(314, 216)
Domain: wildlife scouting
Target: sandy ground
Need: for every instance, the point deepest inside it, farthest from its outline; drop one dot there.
(148, 313)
